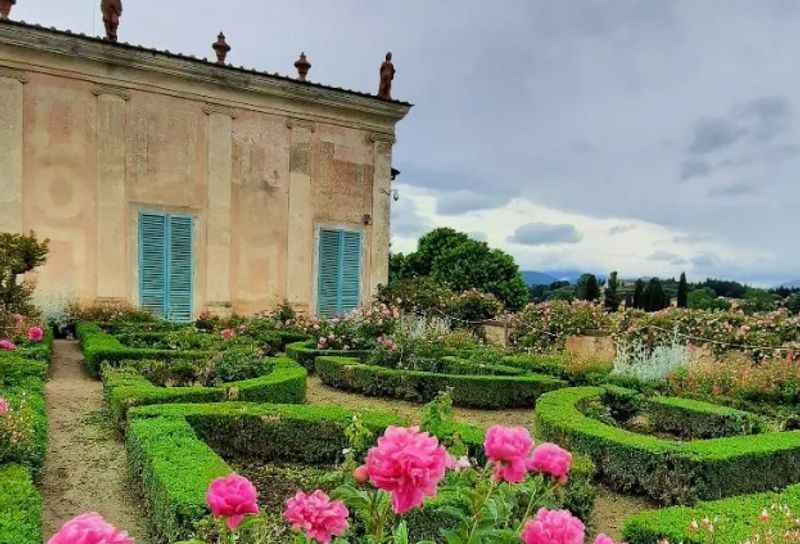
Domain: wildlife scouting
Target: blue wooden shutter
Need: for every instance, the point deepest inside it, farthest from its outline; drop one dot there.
(328, 282)
(350, 271)
(180, 268)
(152, 263)
(339, 280)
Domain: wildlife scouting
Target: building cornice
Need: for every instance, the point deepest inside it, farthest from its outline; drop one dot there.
(197, 70)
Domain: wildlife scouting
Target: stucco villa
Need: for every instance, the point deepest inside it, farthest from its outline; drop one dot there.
(180, 184)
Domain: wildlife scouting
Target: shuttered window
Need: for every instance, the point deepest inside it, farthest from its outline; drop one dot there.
(339, 282)
(165, 265)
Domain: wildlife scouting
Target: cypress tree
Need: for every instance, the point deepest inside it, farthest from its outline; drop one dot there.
(654, 297)
(587, 288)
(683, 292)
(612, 300)
(638, 295)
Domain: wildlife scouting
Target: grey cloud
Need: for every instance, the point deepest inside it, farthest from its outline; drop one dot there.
(620, 229)
(692, 238)
(714, 133)
(694, 168)
(766, 117)
(458, 202)
(734, 189)
(406, 220)
(705, 260)
(668, 257)
(539, 234)
(479, 236)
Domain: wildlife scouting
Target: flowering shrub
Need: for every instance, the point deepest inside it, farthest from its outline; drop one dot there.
(358, 330)
(18, 438)
(539, 328)
(89, 528)
(7, 345)
(107, 311)
(473, 306)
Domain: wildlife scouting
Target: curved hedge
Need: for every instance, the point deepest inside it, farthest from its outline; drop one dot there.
(476, 391)
(305, 353)
(99, 347)
(738, 519)
(284, 384)
(170, 453)
(669, 471)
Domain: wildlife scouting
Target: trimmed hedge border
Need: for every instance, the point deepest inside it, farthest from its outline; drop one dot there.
(99, 347)
(669, 471)
(170, 453)
(738, 518)
(285, 384)
(474, 391)
(305, 353)
(20, 507)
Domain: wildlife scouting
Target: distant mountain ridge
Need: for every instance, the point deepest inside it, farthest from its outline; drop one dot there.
(546, 277)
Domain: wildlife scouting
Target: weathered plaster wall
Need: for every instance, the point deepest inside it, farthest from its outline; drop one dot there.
(92, 143)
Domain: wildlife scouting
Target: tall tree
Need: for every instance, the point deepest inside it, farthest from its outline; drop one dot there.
(654, 297)
(612, 299)
(683, 292)
(638, 294)
(19, 254)
(587, 288)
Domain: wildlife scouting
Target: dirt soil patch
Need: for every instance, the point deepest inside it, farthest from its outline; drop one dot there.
(85, 468)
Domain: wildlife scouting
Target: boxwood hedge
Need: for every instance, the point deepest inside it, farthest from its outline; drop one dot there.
(477, 391)
(175, 450)
(305, 353)
(738, 519)
(669, 471)
(99, 347)
(123, 389)
(20, 507)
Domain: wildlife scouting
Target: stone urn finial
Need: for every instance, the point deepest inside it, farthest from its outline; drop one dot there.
(221, 48)
(303, 66)
(5, 8)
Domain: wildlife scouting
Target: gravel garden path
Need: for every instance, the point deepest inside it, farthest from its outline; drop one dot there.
(85, 468)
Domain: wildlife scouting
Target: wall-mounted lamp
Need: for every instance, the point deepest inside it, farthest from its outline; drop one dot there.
(394, 193)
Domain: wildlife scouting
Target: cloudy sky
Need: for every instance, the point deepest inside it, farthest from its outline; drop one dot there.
(646, 136)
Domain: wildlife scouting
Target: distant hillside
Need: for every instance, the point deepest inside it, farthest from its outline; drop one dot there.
(533, 277)
(791, 284)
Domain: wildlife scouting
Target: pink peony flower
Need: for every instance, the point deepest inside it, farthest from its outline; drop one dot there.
(551, 459)
(89, 528)
(7, 345)
(602, 538)
(35, 334)
(4, 406)
(553, 527)
(408, 464)
(508, 448)
(317, 515)
(232, 497)
(227, 334)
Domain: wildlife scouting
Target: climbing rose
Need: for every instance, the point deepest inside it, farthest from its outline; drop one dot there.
(227, 334)
(231, 498)
(602, 538)
(408, 464)
(7, 345)
(89, 528)
(551, 459)
(4, 406)
(508, 448)
(35, 334)
(553, 527)
(317, 515)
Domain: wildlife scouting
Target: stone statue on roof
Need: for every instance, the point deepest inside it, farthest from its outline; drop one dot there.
(112, 11)
(387, 75)
(5, 8)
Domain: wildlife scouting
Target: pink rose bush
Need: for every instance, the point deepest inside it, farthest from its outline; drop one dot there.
(7, 345)
(232, 498)
(408, 464)
(35, 334)
(317, 516)
(508, 448)
(553, 527)
(551, 460)
(228, 334)
(5, 406)
(90, 528)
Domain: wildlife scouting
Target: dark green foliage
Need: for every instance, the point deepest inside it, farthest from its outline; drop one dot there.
(654, 297)
(587, 288)
(705, 299)
(99, 347)
(124, 388)
(638, 295)
(758, 300)
(477, 391)
(19, 254)
(417, 293)
(725, 288)
(20, 507)
(666, 470)
(239, 363)
(683, 292)
(612, 298)
(692, 419)
(793, 303)
(305, 354)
